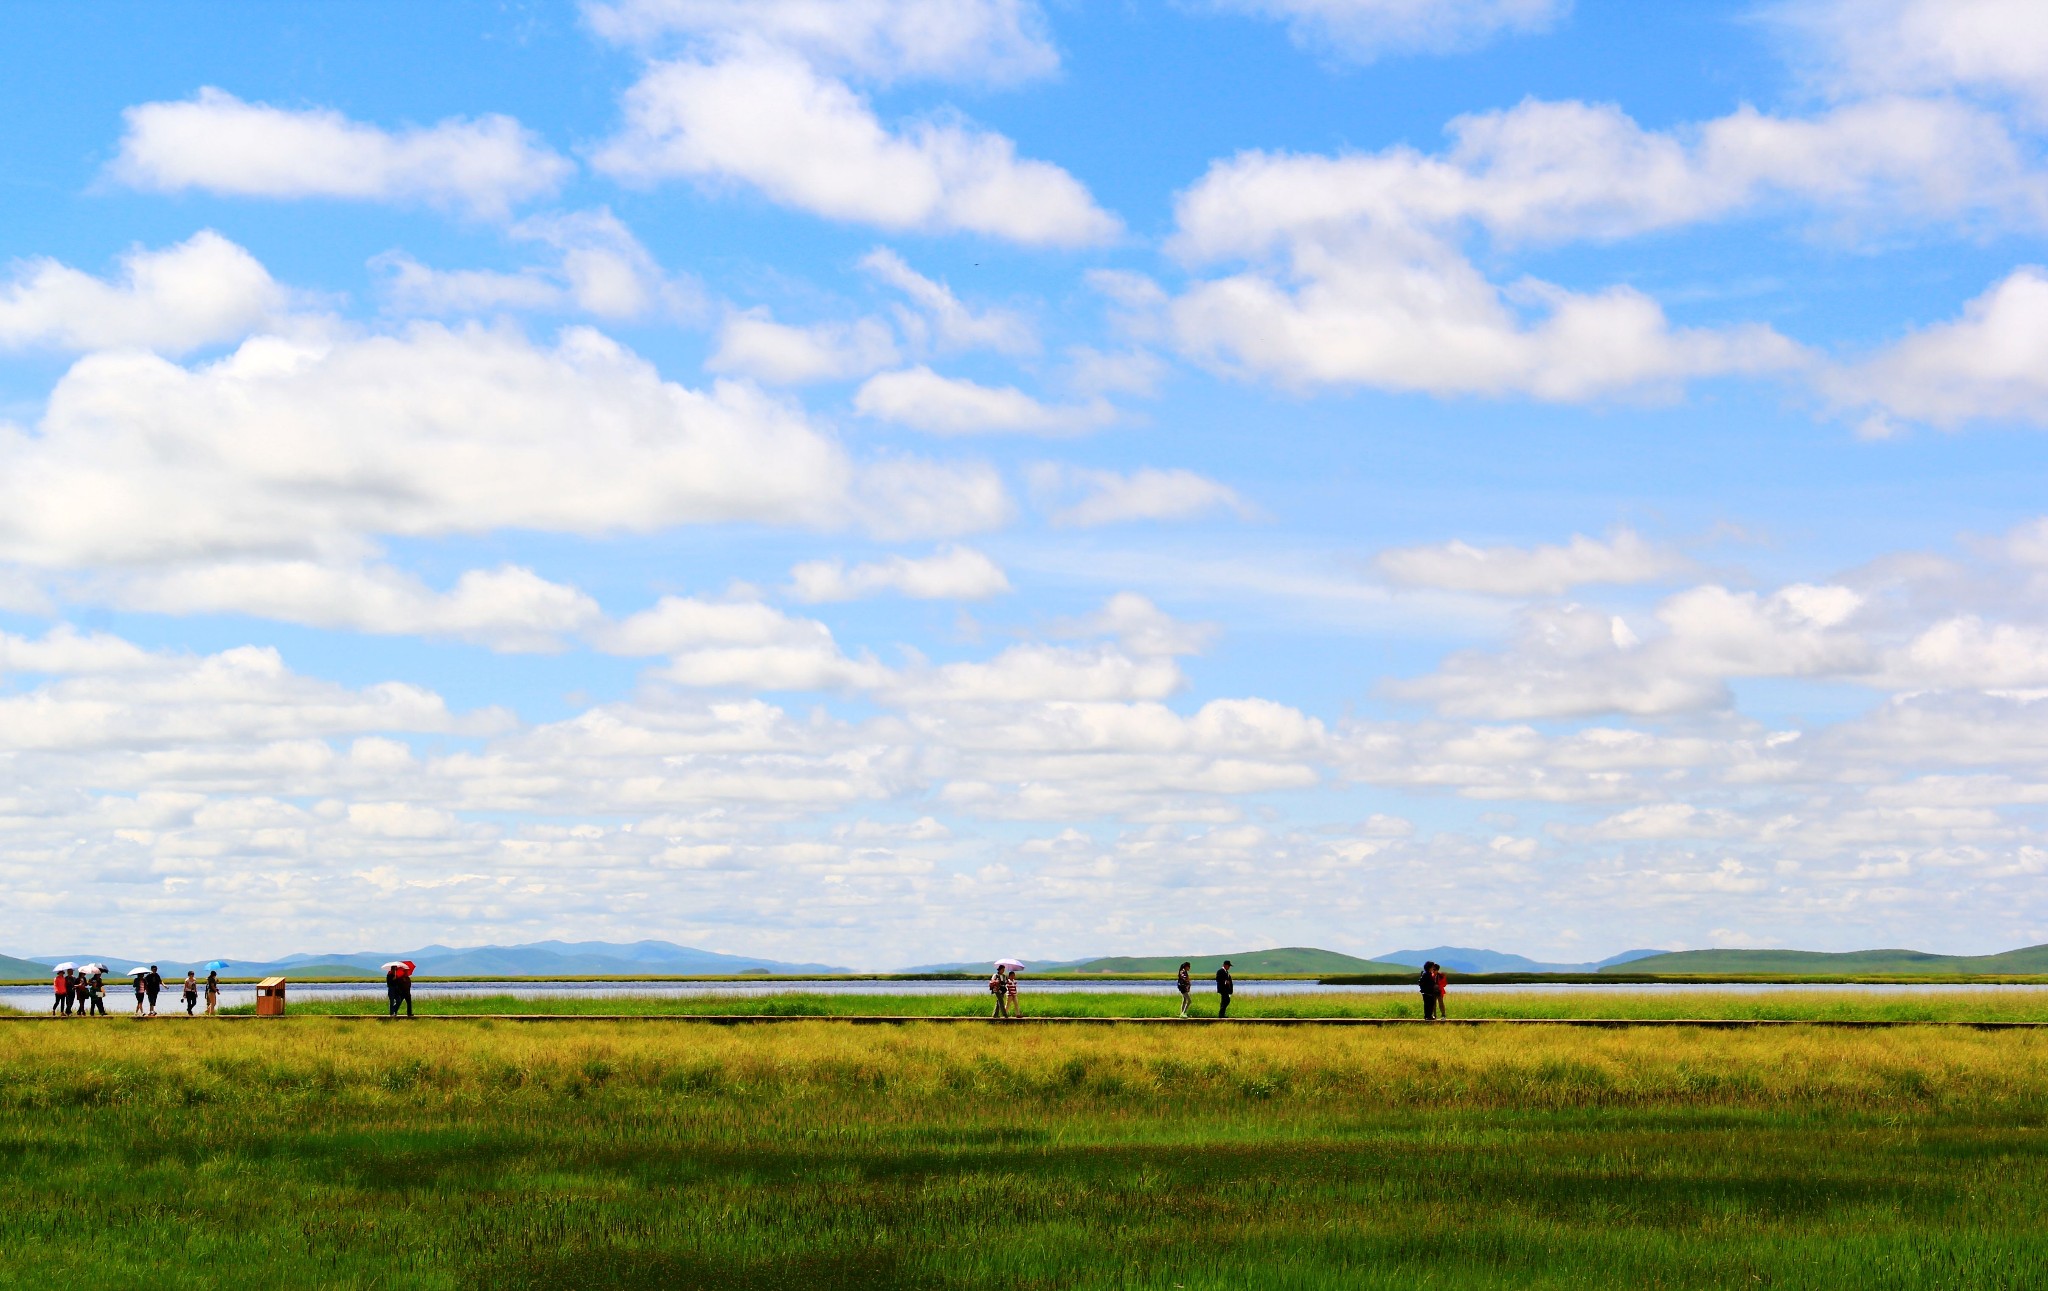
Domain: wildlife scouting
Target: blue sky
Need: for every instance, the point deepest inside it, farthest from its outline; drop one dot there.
(896, 479)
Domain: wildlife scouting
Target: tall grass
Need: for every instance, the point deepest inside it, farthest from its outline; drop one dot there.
(340, 1152)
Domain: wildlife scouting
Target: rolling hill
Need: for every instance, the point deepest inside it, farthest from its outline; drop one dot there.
(1469, 959)
(1285, 959)
(2029, 959)
(22, 969)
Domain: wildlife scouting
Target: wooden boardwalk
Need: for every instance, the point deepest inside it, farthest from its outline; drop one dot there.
(771, 1019)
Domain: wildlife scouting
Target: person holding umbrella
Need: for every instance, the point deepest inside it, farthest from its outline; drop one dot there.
(152, 983)
(213, 986)
(96, 990)
(137, 974)
(1008, 970)
(398, 985)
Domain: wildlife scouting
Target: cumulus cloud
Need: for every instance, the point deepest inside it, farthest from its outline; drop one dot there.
(752, 343)
(770, 121)
(202, 291)
(1116, 497)
(289, 449)
(1882, 46)
(217, 143)
(978, 40)
(1989, 364)
(1572, 661)
(602, 269)
(510, 608)
(1547, 570)
(738, 645)
(924, 400)
(941, 314)
(1556, 171)
(952, 573)
(1413, 315)
(1366, 29)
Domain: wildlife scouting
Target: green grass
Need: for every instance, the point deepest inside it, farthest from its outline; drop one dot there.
(343, 1153)
(2017, 1005)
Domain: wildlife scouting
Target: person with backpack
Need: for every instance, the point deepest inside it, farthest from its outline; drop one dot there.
(1184, 982)
(1226, 986)
(1432, 994)
(999, 987)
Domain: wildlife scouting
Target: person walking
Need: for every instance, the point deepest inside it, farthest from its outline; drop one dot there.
(1184, 982)
(1226, 986)
(212, 992)
(97, 987)
(1443, 990)
(999, 986)
(136, 980)
(152, 982)
(1426, 982)
(60, 993)
(404, 991)
(78, 993)
(1010, 989)
(191, 992)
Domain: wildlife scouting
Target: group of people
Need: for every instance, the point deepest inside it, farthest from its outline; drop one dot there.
(1226, 987)
(398, 987)
(82, 992)
(1433, 985)
(1003, 985)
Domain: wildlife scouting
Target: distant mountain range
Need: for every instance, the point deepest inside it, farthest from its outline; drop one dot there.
(1890, 963)
(535, 959)
(1285, 959)
(1468, 959)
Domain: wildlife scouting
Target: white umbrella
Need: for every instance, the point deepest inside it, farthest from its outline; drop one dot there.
(64, 967)
(94, 968)
(137, 972)
(1014, 965)
(405, 964)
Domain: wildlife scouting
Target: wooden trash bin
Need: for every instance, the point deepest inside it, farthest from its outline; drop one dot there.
(270, 998)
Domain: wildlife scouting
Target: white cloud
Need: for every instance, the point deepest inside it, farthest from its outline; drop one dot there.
(220, 144)
(1366, 29)
(1036, 673)
(1554, 171)
(309, 450)
(1545, 570)
(678, 623)
(1418, 317)
(199, 292)
(979, 40)
(1571, 661)
(956, 326)
(952, 573)
(1113, 497)
(1143, 628)
(920, 398)
(752, 343)
(1882, 46)
(509, 608)
(1989, 364)
(771, 122)
(602, 270)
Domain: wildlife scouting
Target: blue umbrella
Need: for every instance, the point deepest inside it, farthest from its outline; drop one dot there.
(215, 965)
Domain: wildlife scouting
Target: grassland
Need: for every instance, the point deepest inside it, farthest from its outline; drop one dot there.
(2019, 1005)
(350, 1153)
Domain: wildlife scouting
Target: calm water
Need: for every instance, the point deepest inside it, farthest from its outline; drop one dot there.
(121, 1000)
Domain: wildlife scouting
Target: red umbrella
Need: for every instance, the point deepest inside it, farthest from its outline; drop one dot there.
(404, 967)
